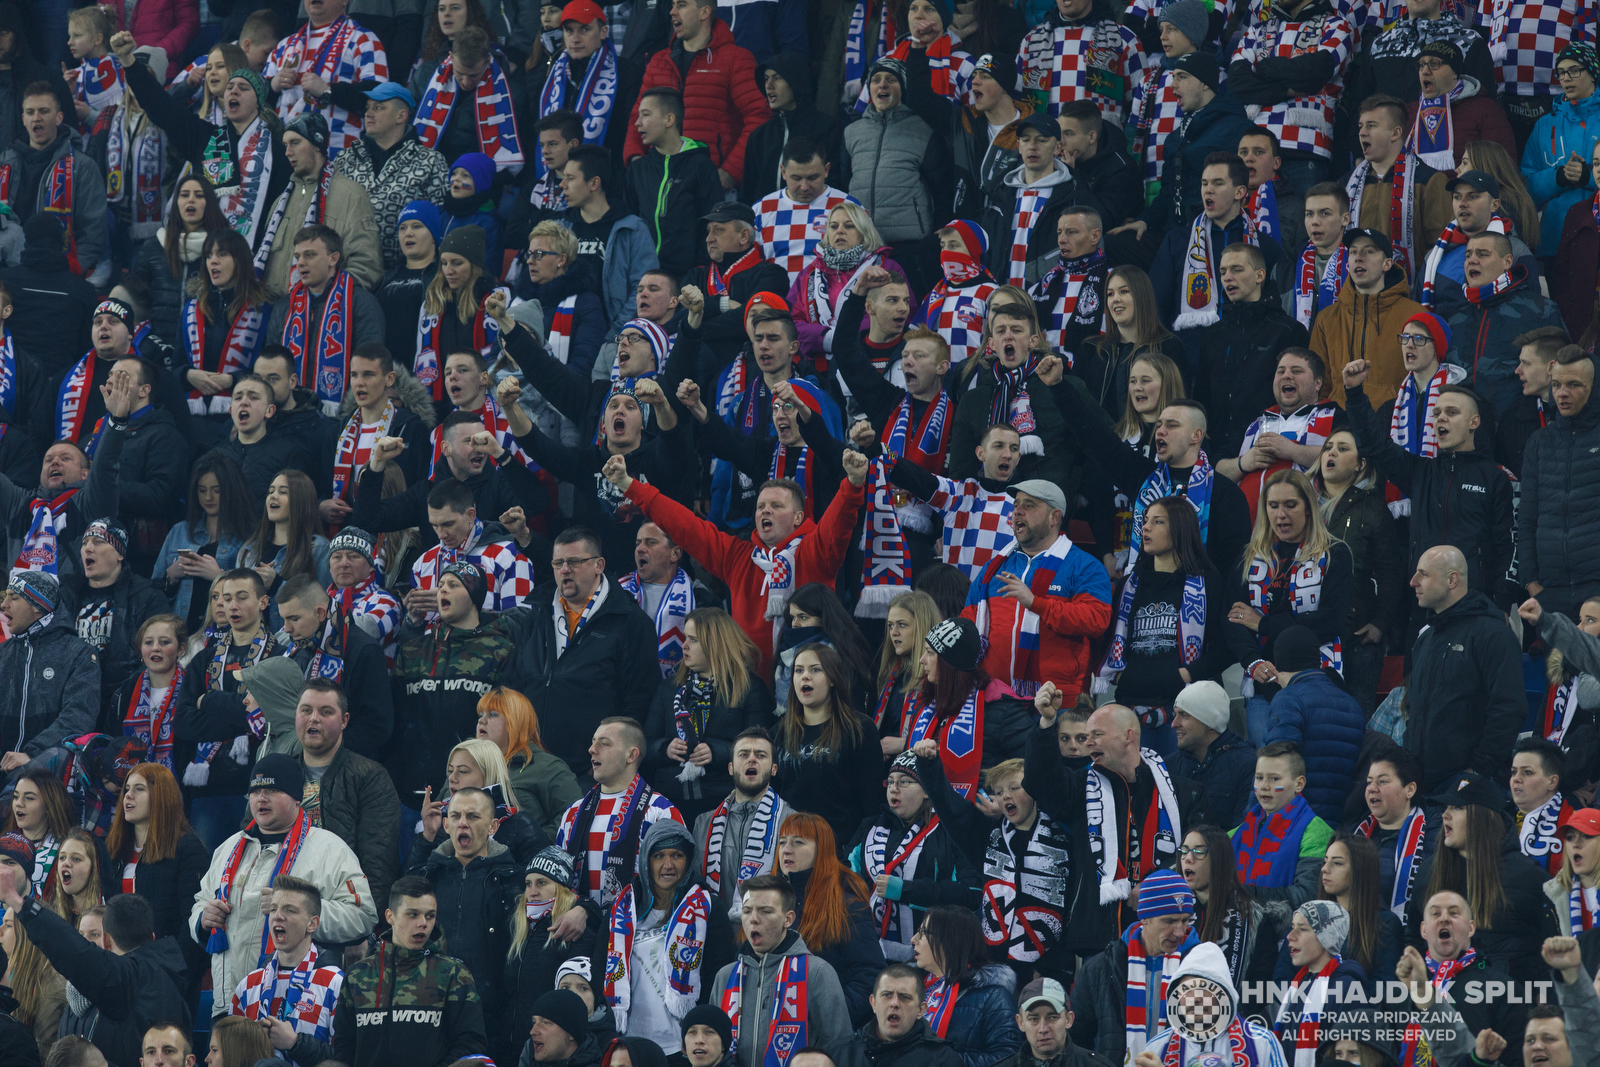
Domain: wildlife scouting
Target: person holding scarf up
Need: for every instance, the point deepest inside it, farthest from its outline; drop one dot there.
(1124, 811)
(230, 912)
(1323, 982)
(1121, 998)
(468, 105)
(655, 931)
(132, 152)
(1168, 627)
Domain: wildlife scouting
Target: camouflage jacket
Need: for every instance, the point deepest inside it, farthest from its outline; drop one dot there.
(439, 677)
(400, 1008)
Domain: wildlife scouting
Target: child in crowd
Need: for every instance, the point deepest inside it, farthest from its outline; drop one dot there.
(1280, 844)
(97, 82)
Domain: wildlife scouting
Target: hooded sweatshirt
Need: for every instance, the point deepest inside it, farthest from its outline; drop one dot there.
(1206, 961)
(650, 1014)
(673, 194)
(763, 153)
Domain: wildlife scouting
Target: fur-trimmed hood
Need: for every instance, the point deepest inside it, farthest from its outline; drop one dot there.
(408, 393)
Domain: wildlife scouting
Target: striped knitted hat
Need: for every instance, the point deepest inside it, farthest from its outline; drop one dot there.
(972, 236)
(1165, 893)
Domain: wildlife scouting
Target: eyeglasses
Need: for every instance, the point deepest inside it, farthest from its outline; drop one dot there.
(1429, 66)
(534, 255)
(1563, 73)
(571, 564)
(1199, 852)
(1411, 340)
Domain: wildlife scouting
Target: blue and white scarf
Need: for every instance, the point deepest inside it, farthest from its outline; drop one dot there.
(597, 96)
(676, 604)
(1191, 628)
(1197, 492)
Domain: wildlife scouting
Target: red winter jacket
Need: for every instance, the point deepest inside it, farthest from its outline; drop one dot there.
(822, 549)
(723, 104)
(169, 24)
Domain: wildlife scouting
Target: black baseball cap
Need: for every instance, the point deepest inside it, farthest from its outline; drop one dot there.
(1041, 122)
(731, 211)
(1475, 179)
(1377, 237)
(1469, 787)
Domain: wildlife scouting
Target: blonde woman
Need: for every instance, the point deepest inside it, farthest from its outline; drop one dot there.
(535, 955)
(544, 785)
(454, 317)
(40, 992)
(911, 616)
(698, 712)
(1294, 573)
(850, 243)
(1575, 890)
(478, 764)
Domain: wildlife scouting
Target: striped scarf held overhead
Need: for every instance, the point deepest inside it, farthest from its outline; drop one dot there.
(1138, 1013)
(1451, 236)
(949, 71)
(492, 112)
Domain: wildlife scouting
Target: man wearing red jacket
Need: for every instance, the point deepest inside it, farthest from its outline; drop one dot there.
(722, 103)
(784, 551)
(1041, 601)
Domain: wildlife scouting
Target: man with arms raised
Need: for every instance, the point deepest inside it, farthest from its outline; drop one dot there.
(898, 1033)
(295, 976)
(775, 968)
(230, 912)
(1459, 496)
(1125, 799)
(784, 551)
(739, 838)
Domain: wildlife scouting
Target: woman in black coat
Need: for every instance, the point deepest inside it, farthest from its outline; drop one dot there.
(155, 854)
(534, 959)
(1354, 505)
(698, 713)
(171, 258)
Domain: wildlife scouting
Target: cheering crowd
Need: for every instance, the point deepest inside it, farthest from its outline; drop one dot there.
(471, 604)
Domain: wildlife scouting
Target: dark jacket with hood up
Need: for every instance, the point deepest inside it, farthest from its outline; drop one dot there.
(763, 152)
(133, 991)
(1557, 542)
(1465, 695)
(1457, 498)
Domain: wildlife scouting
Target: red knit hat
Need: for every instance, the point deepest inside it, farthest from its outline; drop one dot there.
(1437, 329)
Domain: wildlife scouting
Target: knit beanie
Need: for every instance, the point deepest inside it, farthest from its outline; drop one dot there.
(1329, 921)
(1206, 702)
(893, 66)
(468, 242)
(1202, 66)
(40, 588)
(355, 539)
(957, 643)
(1192, 18)
(1585, 55)
(19, 848)
(480, 167)
(712, 1016)
(256, 83)
(1164, 892)
(111, 532)
(566, 1009)
(1446, 50)
(1437, 328)
(906, 764)
(554, 863)
(1296, 649)
(972, 236)
(1002, 68)
(424, 212)
(471, 576)
(312, 125)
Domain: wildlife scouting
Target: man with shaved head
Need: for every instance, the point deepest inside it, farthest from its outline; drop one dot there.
(1126, 810)
(1465, 698)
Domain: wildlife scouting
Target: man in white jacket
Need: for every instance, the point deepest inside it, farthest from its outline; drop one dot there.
(236, 893)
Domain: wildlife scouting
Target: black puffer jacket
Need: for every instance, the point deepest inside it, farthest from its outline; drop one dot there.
(610, 668)
(1238, 357)
(722, 725)
(1362, 521)
(475, 904)
(133, 992)
(1466, 695)
(133, 600)
(1457, 498)
(1557, 544)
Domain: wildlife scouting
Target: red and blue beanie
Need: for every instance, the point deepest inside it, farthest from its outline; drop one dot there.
(973, 237)
(808, 394)
(655, 335)
(1165, 892)
(1437, 329)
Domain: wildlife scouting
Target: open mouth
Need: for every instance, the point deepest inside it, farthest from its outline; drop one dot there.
(619, 425)
(1010, 808)
(464, 839)
(804, 689)
(278, 932)
(766, 524)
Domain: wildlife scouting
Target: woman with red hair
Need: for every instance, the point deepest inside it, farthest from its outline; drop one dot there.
(544, 784)
(154, 853)
(832, 909)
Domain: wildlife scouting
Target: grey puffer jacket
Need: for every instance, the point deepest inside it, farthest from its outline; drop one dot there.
(887, 154)
(412, 172)
(1557, 541)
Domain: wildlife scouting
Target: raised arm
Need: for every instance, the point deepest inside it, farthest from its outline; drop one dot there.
(1394, 462)
(1126, 467)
